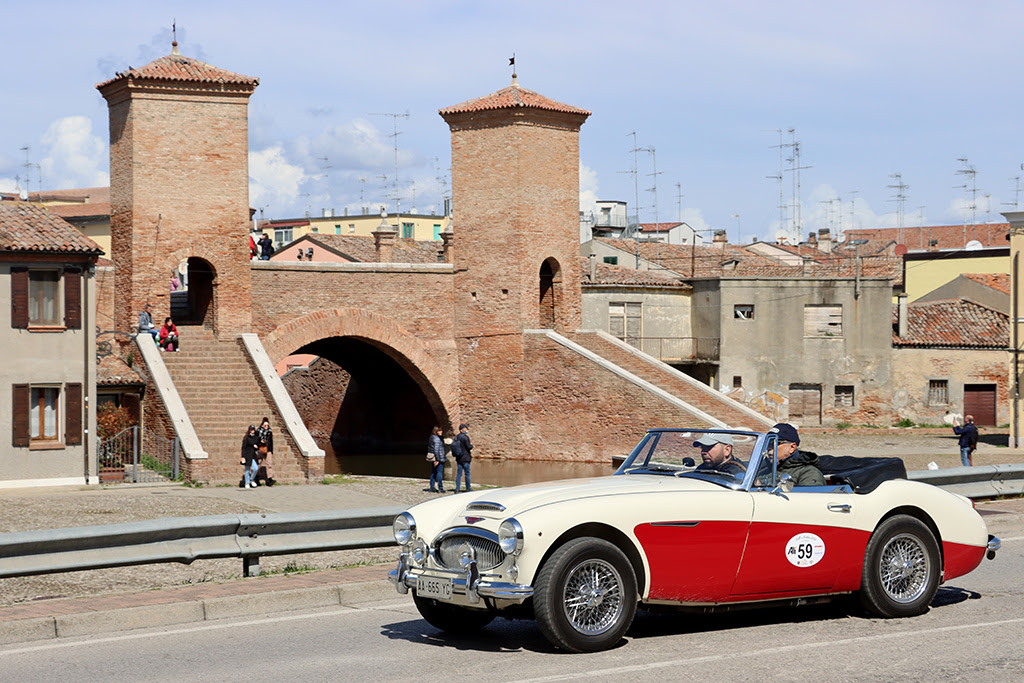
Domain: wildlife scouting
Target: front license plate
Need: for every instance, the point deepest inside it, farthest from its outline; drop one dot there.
(434, 587)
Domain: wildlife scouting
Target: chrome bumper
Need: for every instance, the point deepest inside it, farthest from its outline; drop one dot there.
(467, 586)
(993, 545)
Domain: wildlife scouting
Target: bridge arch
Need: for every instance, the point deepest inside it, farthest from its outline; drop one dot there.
(433, 368)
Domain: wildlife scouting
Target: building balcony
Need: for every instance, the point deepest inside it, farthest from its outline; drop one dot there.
(678, 349)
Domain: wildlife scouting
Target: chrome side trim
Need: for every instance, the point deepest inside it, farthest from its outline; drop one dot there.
(486, 505)
(683, 524)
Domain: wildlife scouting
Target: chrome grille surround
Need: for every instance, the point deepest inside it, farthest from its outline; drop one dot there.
(448, 545)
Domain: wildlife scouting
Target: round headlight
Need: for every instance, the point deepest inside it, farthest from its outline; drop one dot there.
(420, 551)
(510, 537)
(404, 528)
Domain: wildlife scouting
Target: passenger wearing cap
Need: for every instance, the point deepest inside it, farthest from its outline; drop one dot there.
(802, 466)
(716, 453)
(461, 447)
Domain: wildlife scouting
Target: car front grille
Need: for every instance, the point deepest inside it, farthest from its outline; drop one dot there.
(488, 554)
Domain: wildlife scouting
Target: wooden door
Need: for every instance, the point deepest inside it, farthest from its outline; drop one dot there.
(980, 401)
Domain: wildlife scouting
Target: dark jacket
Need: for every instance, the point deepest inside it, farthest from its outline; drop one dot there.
(730, 466)
(803, 466)
(249, 444)
(265, 437)
(968, 435)
(461, 447)
(266, 246)
(436, 446)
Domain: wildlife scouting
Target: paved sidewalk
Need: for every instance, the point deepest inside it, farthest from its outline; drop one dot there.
(68, 617)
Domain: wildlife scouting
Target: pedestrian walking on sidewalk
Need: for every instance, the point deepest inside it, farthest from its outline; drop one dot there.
(250, 446)
(461, 447)
(968, 439)
(265, 451)
(436, 458)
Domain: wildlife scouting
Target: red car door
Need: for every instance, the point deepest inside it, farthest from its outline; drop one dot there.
(797, 544)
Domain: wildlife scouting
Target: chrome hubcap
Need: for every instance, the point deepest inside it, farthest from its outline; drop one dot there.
(592, 598)
(904, 568)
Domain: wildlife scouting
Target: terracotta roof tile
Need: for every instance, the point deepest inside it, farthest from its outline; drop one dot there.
(92, 209)
(29, 227)
(658, 227)
(997, 281)
(112, 370)
(514, 96)
(362, 248)
(608, 274)
(946, 236)
(176, 67)
(954, 323)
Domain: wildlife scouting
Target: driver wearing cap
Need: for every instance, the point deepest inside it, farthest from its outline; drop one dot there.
(716, 452)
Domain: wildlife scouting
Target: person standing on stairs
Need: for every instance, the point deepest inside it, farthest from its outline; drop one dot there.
(250, 447)
(265, 450)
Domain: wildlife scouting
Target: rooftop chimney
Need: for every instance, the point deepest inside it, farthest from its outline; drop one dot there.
(901, 316)
(825, 240)
(719, 240)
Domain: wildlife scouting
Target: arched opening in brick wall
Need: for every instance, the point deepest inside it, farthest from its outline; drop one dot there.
(371, 390)
(362, 407)
(193, 302)
(550, 291)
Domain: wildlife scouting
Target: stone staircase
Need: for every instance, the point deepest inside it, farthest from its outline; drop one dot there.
(223, 397)
(662, 376)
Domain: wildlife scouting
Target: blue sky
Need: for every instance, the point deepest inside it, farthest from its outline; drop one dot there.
(870, 89)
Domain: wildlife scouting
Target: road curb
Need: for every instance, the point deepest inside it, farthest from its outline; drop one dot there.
(192, 611)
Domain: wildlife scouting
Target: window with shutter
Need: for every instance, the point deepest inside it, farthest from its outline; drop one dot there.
(823, 321)
(19, 297)
(43, 299)
(20, 428)
(625, 320)
(73, 299)
(73, 413)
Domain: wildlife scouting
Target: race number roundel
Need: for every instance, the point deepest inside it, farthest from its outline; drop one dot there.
(805, 550)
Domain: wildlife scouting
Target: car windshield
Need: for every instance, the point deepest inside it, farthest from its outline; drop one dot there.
(718, 454)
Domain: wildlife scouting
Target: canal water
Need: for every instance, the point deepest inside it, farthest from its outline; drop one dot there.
(484, 471)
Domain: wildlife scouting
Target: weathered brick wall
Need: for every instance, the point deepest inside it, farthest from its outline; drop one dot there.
(912, 368)
(179, 188)
(105, 300)
(317, 393)
(577, 410)
(406, 312)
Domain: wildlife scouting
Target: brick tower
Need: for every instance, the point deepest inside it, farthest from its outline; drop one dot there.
(179, 190)
(515, 184)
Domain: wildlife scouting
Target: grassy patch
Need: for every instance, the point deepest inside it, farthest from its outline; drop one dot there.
(336, 479)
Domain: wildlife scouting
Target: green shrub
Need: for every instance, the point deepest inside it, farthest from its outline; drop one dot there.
(905, 422)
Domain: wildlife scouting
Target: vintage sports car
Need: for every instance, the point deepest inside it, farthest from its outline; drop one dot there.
(673, 528)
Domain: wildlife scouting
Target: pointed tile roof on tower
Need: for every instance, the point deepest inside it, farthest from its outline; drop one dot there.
(512, 97)
(177, 67)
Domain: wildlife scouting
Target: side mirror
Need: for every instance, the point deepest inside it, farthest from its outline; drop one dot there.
(785, 484)
(688, 462)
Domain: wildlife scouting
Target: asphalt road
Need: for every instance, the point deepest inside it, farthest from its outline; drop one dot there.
(974, 630)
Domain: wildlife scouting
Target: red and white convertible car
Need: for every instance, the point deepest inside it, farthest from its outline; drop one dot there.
(669, 529)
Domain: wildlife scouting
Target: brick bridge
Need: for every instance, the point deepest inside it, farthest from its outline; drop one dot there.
(490, 334)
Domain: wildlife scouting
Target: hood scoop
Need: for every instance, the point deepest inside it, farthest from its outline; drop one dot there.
(486, 505)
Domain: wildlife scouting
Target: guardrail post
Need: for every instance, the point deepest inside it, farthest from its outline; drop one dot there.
(251, 565)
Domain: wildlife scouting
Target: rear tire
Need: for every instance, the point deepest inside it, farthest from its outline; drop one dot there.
(585, 596)
(901, 568)
(450, 618)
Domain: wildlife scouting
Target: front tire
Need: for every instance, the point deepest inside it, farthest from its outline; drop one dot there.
(901, 568)
(585, 596)
(450, 618)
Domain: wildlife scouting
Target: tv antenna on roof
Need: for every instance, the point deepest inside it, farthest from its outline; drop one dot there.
(394, 136)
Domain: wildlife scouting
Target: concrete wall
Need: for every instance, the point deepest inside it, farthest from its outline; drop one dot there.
(47, 357)
(926, 271)
(770, 352)
(666, 312)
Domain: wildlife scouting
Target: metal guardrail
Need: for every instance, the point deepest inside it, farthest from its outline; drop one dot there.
(186, 539)
(251, 536)
(983, 481)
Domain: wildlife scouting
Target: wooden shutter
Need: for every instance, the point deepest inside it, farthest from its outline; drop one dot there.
(19, 299)
(73, 414)
(22, 397)
(73, 299)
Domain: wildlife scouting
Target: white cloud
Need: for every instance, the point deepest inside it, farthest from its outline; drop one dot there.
(272, 179)
(588, 189)
(74, 156)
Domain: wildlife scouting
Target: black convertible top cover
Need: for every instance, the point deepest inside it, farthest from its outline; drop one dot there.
(864, 475)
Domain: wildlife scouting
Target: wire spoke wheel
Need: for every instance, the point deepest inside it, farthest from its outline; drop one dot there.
(904, 568)
(592, 599)
(901, 570)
